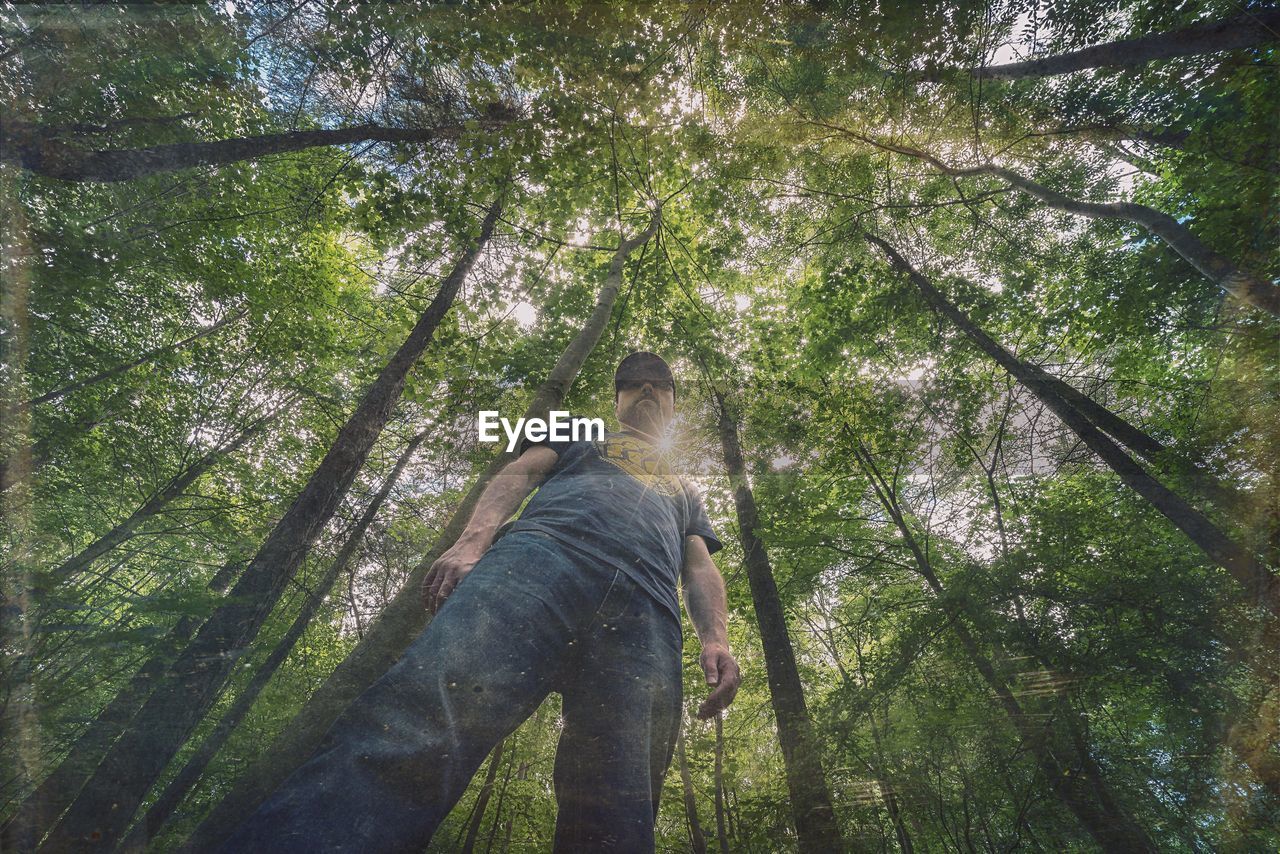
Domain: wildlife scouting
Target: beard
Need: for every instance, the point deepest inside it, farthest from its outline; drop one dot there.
(645, 414)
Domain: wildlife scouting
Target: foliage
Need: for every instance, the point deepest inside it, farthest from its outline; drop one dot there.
(772, 134)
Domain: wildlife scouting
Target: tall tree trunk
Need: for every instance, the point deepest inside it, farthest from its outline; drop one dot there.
(877, 768)
(507, 827)
(19, 714)
(1258, 581)
(1227, 498)
(482, 800)
(403, 618)
(47, 152)
(1244, 285)
(889, 794)
(66, 571)
(1099, 813)
(116, 371)
(696, 837)
(734, 812)
(151, 823)
(815, 819)
(521, 774)
(1243, 31)
(106, 805)
(1261, 157)
(41, 808)
(497, 809)
(721, 832)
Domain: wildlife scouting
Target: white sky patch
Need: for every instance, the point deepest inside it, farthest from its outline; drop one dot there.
(988, 281)
(581, 231)
(524, 314)
(702, 485)
(686, 101)
(1013, 51)
(1125, 175)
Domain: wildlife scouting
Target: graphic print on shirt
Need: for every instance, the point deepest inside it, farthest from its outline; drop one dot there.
(640, 460)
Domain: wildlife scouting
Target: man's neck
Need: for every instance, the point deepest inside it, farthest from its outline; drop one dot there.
(640, 434)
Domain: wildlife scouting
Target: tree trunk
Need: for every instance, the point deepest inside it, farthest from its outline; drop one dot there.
(151, 823)
(19, 712)
(1260, 157)
(1093, 805)
(890, 796)
(815, 819)
(66, 572)
(1227, 498)
(57, 393)
(403, 618)
(696, 837)
(1243, 31)
(506, 834)
(41, 808)
(1244, 285)
(502, 799)
(877, 768)
(46, 152)
(482, 800)
(721, 833)
(1259, 583)
(108, 801)
(733, 812)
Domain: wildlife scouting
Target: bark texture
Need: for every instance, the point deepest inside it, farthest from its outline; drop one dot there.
(107, 803)
(404, 617)
(49, 153)
(169, 800)
(1065, 767)
(1243, 31)
(1259, 583)
(815, 819)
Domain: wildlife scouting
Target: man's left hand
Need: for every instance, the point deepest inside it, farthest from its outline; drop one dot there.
(723, 675)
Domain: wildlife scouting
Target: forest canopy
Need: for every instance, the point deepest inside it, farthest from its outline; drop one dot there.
(973, 309)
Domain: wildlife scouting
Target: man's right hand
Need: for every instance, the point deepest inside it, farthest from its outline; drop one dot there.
(447, 572)
(498, 501)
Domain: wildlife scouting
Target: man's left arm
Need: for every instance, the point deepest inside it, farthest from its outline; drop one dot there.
(708, 607)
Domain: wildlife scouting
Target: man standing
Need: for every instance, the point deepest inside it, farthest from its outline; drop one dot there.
(577, 596)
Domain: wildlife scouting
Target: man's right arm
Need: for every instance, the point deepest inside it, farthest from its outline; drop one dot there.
(509, 487)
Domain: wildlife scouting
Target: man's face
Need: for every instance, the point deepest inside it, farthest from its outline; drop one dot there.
(647, 405)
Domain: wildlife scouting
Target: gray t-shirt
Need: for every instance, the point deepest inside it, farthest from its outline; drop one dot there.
(616, 501)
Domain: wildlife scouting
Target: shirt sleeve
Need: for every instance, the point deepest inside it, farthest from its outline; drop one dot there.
(557, 445)
(699, 522)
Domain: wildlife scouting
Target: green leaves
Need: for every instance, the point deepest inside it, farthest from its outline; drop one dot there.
(774, 137)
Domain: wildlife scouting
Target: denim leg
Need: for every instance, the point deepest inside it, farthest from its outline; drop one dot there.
(402, 754)
(622, 711)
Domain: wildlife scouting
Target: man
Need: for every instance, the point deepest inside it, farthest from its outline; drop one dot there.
(577, 596)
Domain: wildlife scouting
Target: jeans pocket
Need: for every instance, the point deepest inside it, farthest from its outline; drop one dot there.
(617, 599)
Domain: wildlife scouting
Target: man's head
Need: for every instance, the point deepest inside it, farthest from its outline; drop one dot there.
(644, 393)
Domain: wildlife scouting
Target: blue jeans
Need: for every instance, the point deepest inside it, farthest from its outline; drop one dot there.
(531, 617)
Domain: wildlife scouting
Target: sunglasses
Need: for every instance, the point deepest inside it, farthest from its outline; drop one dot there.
(636, 385)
